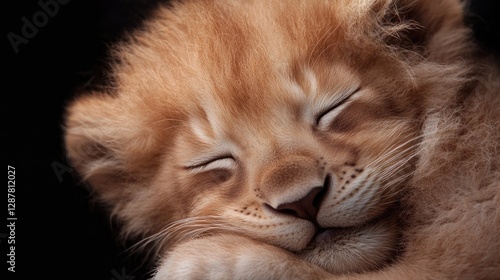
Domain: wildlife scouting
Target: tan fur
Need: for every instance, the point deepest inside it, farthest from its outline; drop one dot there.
(221, 120)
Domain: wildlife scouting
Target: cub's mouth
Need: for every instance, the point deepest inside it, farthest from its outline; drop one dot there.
(351, 228)
(326, 233)
(357, 248)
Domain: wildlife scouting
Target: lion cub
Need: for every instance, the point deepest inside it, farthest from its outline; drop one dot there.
(300, 140)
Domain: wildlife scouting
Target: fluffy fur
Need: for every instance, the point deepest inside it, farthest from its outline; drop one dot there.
(300, 140)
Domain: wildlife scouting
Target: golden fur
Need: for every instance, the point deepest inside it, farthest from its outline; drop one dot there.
(300, 140)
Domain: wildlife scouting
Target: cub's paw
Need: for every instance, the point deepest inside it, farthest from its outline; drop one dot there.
(233, 257)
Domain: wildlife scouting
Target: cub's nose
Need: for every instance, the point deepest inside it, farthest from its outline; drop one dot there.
(306, 207)
(295, 186)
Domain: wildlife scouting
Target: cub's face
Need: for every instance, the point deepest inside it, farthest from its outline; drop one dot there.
(293, 124)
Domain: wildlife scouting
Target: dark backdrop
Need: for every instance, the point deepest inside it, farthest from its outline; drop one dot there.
(50, 48)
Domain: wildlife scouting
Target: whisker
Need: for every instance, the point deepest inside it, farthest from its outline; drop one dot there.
(395, 167)
(391, 168)
(394, 153)
(388, 152)
(388, 159)
(179, 231)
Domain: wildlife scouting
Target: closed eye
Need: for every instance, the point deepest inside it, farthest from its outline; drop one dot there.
(328, 115)
(221, 162)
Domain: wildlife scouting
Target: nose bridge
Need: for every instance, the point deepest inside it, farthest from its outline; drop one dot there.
(290, 178)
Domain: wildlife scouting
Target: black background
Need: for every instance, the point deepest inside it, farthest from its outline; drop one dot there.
(59, 234)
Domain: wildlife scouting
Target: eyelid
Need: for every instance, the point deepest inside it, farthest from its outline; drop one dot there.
(223, 161)
(337, 104)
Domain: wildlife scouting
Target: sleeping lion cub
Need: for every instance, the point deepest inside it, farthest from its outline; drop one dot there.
(300, 140)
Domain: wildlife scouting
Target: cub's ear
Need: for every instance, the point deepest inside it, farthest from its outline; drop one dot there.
(108, 142)
(428, 27)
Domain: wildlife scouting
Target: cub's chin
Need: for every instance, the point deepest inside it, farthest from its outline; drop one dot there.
(355, 249)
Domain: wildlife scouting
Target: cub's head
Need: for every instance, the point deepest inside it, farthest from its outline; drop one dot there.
(296, 123)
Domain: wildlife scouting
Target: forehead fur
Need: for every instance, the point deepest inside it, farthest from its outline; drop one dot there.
(203, 53)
